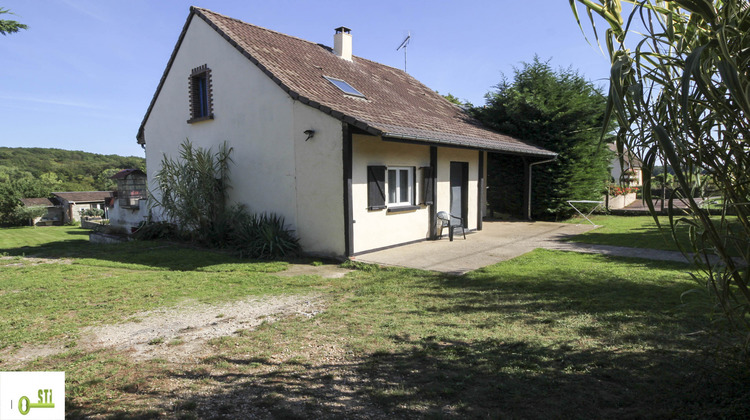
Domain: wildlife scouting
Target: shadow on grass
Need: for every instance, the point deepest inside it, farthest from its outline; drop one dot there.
(457, 379)
(133, 254)
(559, 295)
(636, 360)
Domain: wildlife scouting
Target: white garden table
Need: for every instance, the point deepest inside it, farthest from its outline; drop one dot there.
(572, 203)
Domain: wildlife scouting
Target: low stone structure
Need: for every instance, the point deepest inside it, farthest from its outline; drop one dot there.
(620, 201)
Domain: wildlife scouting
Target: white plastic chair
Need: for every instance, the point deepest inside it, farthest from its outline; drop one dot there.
(447, 220)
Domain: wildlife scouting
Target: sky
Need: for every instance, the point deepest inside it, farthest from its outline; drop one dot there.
(83, 74)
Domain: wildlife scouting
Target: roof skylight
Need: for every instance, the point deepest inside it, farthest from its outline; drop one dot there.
(344, 86)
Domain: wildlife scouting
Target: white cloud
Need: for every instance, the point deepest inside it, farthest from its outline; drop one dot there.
(50, 101)
(86, 10)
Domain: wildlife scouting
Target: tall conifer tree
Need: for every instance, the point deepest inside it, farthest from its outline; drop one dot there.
(562, 112)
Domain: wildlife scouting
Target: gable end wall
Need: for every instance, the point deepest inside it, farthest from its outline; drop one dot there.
(252, 114)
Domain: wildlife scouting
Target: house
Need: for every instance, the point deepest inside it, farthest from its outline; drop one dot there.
(74, 202)
(64, 207)
(356, 155)
(630, 172)
(54, 210)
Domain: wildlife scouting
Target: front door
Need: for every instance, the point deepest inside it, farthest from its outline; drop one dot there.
(459, 191)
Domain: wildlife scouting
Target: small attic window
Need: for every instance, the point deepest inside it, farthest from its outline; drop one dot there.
(201, 94)
(344, 86)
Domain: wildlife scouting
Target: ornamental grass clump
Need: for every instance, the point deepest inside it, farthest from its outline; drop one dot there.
(681, 94)
(262, 236)
(193, 191)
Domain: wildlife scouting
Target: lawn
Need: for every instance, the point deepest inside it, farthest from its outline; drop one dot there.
(548, 334)
(640, 232)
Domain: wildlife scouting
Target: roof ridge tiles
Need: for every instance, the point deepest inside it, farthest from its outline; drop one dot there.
(202, 10)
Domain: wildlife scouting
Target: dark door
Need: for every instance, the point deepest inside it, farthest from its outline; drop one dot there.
(460, 190)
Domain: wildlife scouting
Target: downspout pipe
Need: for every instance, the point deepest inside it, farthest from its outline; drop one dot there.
(531, 167)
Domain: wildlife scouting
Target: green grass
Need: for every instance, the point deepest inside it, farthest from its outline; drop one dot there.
(642, 232)
(548, 334)
(86, 284)
(633, 231)
(15, 238)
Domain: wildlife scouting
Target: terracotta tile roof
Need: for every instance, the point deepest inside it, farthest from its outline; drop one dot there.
(396, 105)
(45, 202)
(125, 172)
(83, 196)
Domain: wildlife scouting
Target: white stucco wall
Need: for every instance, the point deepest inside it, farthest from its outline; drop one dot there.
(128, 218)
(618, 170)
(443, 189)
(377, 228)
(252, 114)
(275, 169)
(319, 181)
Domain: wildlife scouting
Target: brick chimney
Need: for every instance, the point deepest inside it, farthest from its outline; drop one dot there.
(342, 43)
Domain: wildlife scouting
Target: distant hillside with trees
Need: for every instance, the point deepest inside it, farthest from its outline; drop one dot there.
(39, 171)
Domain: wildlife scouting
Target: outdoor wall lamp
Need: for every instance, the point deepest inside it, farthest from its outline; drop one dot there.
(310, 134)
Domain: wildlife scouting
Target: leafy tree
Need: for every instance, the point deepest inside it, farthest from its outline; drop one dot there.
(50, 181)
(10, 26)
(22, 215)
(562, 112)
(681, 91)
(104, 181)
(16, 184)
(65, 170)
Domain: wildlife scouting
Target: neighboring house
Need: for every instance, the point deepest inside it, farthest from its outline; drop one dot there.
(355, 155)
(74, 202)
(54, 210)
(630, 173)
(128, 206)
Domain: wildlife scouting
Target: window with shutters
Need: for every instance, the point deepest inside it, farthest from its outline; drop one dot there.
(400, 184)
(391, 188)
(201, 94)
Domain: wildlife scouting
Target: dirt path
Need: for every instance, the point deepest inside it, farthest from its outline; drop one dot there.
(178, 334)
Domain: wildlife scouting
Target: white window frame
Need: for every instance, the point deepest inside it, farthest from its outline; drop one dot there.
(410, 186)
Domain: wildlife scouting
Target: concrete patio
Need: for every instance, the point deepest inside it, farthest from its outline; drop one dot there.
(497, 241)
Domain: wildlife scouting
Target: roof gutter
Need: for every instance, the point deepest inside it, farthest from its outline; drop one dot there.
(420, 139)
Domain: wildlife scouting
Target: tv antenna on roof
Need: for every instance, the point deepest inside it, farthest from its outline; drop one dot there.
(403, 45)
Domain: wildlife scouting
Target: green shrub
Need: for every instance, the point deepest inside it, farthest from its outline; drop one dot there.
(261, 236)
(92, 212)
(148, 231)
(193, 195)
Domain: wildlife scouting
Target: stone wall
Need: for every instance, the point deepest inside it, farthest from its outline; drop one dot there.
(620, 201)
